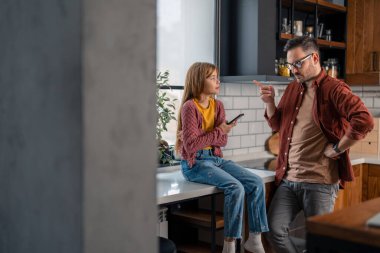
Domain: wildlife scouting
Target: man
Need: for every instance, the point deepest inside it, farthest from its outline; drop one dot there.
(318, 119)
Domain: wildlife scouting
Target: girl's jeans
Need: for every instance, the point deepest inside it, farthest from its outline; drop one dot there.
(236, 182)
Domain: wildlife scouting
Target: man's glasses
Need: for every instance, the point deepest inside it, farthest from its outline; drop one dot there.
(298, 64)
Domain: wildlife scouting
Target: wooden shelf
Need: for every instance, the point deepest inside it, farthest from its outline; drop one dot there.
(200, 218)
(286, 36)
(198, 247)
(309, 6)
(301, 5)
(321, 43)
(327, 43)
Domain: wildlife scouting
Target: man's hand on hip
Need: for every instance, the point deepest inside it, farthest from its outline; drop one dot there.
(330, 152)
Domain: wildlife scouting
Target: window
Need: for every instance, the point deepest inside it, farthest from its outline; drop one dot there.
(185, 34)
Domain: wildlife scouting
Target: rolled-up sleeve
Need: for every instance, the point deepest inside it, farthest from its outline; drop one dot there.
(352, 108)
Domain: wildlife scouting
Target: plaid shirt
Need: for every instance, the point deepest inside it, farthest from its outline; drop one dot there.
(336, 111)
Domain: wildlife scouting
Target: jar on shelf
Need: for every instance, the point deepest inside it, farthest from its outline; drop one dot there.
(285, 28)
(282, 69)
(325, 66)
(333, 67)
(309, 31)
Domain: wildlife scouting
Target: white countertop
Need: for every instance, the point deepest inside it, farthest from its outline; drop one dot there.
(364, 158)
(172, 186)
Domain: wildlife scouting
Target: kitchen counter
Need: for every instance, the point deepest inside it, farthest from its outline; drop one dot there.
(363, 158)
(172, 186)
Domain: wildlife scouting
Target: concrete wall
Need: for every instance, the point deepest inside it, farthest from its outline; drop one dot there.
(40, 127)
(77, 120)
(119, 126)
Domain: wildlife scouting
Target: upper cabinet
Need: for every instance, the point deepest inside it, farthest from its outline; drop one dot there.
(363, 42)
(247, 39)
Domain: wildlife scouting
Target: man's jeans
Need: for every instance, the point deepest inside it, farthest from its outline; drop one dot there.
(235, 181)
(289, 199)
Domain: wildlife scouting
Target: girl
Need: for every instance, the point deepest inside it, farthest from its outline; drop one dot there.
(202, 130)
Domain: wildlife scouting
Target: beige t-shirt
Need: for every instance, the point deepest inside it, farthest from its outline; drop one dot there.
(307, 163)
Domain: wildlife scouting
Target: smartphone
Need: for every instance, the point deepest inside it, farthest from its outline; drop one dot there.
(236, 118)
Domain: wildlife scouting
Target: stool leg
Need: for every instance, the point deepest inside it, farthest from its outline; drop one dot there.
(213, 224)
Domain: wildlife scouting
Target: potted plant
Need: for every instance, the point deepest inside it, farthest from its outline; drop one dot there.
(165, 112)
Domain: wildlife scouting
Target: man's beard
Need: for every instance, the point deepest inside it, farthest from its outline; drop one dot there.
(302, 79)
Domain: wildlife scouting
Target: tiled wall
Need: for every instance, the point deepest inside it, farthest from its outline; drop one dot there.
(252, 130)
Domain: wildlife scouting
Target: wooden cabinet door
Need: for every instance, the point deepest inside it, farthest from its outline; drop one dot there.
(373, 189)
(352, 193)
(363, 38)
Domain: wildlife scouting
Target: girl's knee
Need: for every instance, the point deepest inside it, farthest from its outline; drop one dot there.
(257, 180)
(235, 188)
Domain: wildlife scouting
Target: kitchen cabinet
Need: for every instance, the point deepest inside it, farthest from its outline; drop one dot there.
(363, 42)
(314, 13)
(366, 186)
(373, 182)
(352, 192)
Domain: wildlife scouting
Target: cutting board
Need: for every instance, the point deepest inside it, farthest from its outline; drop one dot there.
(272, 144)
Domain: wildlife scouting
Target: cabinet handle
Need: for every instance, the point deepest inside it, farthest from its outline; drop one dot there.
(374, 61)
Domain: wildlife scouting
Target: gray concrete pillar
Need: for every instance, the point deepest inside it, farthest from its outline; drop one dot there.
(119, 124)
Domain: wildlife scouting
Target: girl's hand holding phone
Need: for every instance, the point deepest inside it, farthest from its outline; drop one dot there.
(227, 128)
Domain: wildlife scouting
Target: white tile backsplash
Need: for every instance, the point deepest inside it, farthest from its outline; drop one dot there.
(370, 94)
(231, 114)
(227, 102)
(256, 127)
(222, 89)
(368, 102)
(233, 142)
(240, 103)
(261, 138)
(256, 102)
(249, 115)
(249, 90)
(240, 129)
(248, 141)
(371, 88)
(252, 131)
(376, 103)
(356, 88)
(227, 152)
(256, 149)
(232, 89)
(240, 151)
(260, 114)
